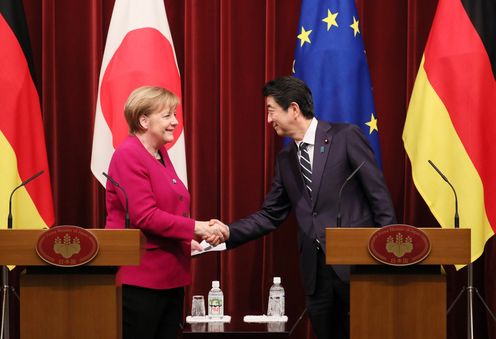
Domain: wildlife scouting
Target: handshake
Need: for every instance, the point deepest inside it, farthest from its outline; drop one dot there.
(214, 232)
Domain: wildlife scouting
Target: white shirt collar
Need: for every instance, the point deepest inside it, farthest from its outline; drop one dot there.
(309, 136)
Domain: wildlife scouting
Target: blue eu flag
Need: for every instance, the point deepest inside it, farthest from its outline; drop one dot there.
(330, 58)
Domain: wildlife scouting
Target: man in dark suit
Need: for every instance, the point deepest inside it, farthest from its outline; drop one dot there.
(309, 173)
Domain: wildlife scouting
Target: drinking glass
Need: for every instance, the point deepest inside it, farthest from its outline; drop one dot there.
(198, 306)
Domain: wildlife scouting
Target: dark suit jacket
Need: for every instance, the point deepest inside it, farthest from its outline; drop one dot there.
(365, 202)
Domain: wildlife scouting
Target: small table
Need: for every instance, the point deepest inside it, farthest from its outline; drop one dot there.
(237, 328)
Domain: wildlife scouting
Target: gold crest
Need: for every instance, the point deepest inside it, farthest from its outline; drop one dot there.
(399, 246)
(67, 248)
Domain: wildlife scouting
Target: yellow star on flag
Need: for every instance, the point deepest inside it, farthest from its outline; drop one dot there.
(330, 19)
(355, 27)
(372, 124)
(304, 36)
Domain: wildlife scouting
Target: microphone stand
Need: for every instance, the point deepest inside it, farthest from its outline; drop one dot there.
(338, 218)
(6, 288)
(5, 304)
(470, 288)
(116, 184)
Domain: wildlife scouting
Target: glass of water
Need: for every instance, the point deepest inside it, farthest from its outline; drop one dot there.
(198, 306)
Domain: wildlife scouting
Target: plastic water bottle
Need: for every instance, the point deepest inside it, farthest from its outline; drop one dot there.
(215, 301)
(276, 299)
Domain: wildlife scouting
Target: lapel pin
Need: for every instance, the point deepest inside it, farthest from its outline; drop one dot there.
(326, 141)
(174, 181)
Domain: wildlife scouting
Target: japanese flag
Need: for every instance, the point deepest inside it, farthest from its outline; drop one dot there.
(139, 51)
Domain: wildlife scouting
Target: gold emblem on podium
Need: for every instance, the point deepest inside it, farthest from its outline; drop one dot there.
(399, 246)
(67, 248)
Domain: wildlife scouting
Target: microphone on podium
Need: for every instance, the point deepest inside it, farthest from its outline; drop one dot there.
(9, 217)
(457, 219)
(338, 218)
(116, 184)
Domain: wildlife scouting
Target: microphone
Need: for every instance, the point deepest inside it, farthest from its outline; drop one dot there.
(9, 217)
(457, 219)
(116, 184)
(338, 218)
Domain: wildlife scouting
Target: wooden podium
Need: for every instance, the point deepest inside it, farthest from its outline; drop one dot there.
(70, 302)
(389, 302)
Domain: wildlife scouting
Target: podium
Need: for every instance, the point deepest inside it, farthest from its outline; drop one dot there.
(70, 302)
(388, 302)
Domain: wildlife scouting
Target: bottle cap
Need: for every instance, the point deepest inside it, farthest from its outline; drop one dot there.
(277, 280)
(215, 284)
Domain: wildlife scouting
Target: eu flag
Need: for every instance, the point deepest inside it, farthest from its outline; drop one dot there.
(330, 58)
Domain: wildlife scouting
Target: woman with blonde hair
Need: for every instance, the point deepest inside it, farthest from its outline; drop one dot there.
(159, 206)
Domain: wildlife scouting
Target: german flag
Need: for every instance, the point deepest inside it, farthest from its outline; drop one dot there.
(22, 141)
(449, 117)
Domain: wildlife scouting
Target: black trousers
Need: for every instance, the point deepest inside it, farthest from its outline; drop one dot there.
(151, 314)
(329, 306)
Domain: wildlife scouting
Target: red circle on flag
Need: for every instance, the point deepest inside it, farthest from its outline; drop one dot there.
(145, 57)
(67, 246)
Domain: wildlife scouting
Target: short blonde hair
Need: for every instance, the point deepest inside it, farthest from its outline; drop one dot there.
(144, 101)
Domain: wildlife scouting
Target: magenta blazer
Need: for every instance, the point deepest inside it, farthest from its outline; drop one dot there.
(158, 206)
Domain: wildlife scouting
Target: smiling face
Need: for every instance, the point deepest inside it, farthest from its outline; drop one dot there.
(159, 125)
(281, 120)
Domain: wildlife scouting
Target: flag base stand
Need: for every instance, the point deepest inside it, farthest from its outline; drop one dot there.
(470, 302)
(6, 288)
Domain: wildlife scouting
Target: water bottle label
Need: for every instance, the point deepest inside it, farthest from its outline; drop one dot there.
(276, 306)
(215, 307)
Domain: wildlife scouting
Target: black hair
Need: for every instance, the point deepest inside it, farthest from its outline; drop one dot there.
(288, 89)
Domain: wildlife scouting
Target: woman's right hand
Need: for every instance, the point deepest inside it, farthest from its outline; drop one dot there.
(195, 246)
(214, 234)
